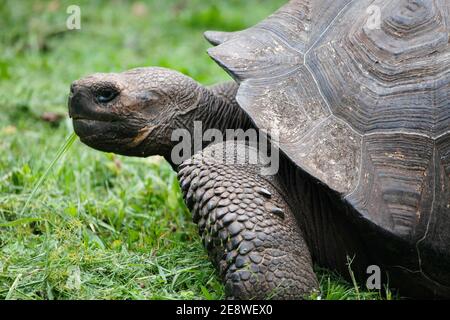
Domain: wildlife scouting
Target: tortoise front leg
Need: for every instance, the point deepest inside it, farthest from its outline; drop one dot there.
(248, 229)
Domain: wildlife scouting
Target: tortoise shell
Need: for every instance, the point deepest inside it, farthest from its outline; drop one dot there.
(359, 94)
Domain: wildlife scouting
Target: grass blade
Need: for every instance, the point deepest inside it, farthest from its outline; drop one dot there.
(13, 287)
(19, 222)
(66, 146)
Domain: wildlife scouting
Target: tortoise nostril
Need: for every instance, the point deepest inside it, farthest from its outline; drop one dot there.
(79, 106)
(73, 87)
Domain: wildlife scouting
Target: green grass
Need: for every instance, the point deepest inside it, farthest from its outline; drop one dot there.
(102, 226)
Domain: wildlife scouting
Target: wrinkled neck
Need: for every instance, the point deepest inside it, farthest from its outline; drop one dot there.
(212, 113)
(216, 112)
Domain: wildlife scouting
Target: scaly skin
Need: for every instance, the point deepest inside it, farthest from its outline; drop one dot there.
(248, 229)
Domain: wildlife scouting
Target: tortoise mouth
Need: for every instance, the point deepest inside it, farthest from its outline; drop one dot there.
(100, 134)
(84, 119)
(87, 128)
(111, 136)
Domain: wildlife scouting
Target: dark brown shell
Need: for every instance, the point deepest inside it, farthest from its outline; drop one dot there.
(364, 108)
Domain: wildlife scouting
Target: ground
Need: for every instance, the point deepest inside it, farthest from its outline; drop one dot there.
(103, 226)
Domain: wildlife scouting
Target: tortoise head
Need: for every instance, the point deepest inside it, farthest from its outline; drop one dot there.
(131, 113)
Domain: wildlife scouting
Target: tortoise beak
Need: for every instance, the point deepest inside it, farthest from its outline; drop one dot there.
(81, 105)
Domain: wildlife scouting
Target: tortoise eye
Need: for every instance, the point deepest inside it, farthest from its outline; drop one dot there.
(106, 95)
